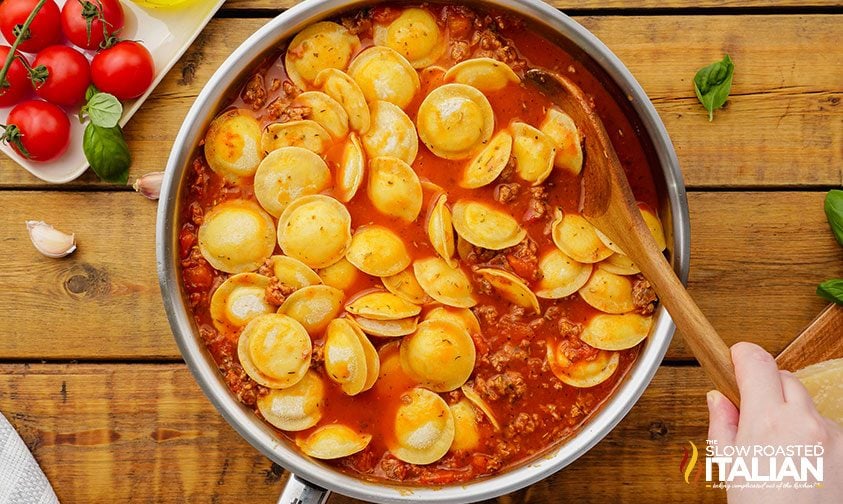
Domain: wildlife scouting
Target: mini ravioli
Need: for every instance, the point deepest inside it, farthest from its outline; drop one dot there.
(578, 239)
(236, 236)
(608, 292)
(484, 226)
(351, 169)
(489, 163)
(238, 300)
(394, 188)
(485, 74)
(384, 74)
(583, 373)
(440, 230)
(560, 128)
(233, 144)
(450, 286)
(333, 441)
(533, 151)
(342, 88)
(378, 251)
(404, 284)
(478, 401)
(619, 264)
(380, 305)
(274, 350)
(466, 432)
(616, 332)
(315, 229)
(317, 47)
(288, 173)
(388, 328)
(392, 133)
(511, 288)
(313, 306)
(461, 316)
(455, 120)
(655, 226)
(424, 428)
(293, 273)
(561, 276)
(440, 355)
(415, 35)
(342, 274)
(295, 408)
(350, 359)
(324, 110)
(305, 133)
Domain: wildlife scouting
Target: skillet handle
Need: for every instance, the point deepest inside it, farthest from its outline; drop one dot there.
(299, 491)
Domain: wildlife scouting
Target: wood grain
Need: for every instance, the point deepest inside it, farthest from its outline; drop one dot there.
(756, 259)
(145, 433)
(595, 4)
(783, 125)
(818, 342)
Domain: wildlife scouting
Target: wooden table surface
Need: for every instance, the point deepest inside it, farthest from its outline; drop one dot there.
(91, 377)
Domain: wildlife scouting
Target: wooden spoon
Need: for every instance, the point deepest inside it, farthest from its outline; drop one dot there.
(608, 204)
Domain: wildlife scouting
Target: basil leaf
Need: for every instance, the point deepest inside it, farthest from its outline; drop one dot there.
(831, 290)
(834, 212)
(107, 152)
(104, 110)
(91, 91)
(713, 83)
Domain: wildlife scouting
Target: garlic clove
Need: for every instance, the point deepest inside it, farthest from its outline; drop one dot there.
(50, 241)
(149, 185)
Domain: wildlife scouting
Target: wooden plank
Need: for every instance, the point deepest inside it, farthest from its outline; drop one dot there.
(818, 342)
(783, 126)
(145, 433)
(755, 262)
(595, 4)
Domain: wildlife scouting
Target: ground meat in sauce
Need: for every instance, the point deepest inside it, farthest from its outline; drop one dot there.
(511, 347)
(255, 92)
(505, 193)
(508, 385)
(643, 296)
(294, 113)
(277, 292)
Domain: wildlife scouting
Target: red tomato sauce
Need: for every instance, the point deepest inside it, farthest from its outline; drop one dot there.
(537, 411)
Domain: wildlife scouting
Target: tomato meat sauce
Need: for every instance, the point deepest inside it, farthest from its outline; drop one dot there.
(534, 380)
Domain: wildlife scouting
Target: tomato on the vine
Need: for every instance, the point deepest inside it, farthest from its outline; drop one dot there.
(125, 70)
(40, 128)
(17, 78)
(44, 31)
(61, 75)
(89, 23)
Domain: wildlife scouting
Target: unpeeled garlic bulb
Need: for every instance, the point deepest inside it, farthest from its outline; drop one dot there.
(50, 241)
(149, 185)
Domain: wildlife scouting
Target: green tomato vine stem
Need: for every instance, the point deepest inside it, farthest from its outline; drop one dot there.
(24, 30)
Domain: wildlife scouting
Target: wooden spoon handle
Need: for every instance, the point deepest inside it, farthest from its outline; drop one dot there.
(699, 334)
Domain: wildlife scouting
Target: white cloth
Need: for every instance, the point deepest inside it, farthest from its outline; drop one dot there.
(21, 479)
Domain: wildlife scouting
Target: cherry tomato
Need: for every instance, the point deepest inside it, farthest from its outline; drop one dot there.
(16, 78)
(125, 70)
(76, 14)
(44, 31)
(66, 78)
(44, 129)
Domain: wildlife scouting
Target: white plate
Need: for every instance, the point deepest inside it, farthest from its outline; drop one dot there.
(167, 33)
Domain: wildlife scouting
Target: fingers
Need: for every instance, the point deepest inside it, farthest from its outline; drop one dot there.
(794, 392)
(722, 419)
(758, 378)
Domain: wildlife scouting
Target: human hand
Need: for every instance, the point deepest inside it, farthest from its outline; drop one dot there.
(776, 410)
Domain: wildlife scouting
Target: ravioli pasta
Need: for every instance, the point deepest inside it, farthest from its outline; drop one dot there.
(381, 247)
